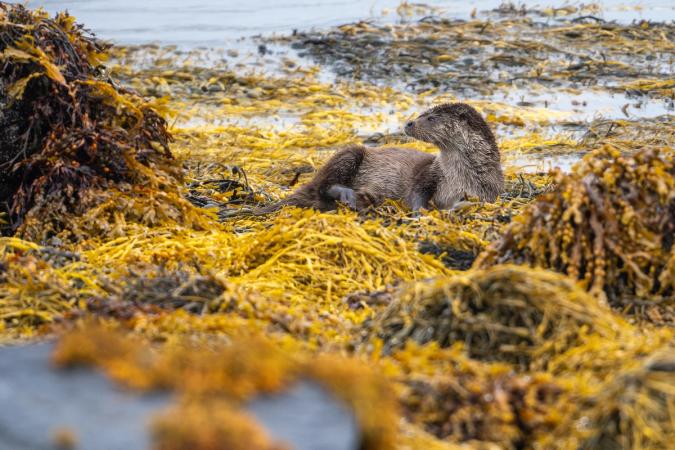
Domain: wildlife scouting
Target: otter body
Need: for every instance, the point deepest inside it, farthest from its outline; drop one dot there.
(390, 172)
(468, 163)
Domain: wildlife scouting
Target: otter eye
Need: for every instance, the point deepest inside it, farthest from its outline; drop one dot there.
(431, 118)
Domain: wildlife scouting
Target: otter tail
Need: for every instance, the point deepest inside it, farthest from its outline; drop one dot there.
(255, 212)
(274, 207)
(305, 197)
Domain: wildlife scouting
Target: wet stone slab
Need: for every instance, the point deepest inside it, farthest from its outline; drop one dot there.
(307, 418)
(38, 403)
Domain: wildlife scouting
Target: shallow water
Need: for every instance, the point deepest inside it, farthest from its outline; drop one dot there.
(589, 103)
(222, 27)
(210, 22)
(214, 22)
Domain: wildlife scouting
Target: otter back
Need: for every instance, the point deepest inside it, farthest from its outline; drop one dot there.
(390, 172)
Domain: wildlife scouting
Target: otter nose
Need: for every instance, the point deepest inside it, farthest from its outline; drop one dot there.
(408, 126)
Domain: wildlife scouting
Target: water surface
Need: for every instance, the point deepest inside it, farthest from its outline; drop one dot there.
(224, 28)
(214, 22)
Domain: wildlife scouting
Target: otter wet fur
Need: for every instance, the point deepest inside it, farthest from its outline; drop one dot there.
(468, 163)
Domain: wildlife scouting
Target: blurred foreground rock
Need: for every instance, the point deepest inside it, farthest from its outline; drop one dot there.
(42, 408)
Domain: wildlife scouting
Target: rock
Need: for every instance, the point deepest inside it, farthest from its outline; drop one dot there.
(38, 403)
(308, 418)
(42, 408)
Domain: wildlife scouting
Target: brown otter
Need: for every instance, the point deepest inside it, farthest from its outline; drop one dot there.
(468, 163)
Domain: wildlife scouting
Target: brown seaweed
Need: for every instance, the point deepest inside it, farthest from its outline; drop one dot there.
(608, 224)
(506, 313)
(69, 133)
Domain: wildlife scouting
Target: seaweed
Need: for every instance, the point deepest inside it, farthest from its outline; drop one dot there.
(506, 313)
(371, 306)
(468, 402)
(608, 224)
(148, 291)
(210, 426)
(481, 55)
(35, 289)
(451, 257)
(637, 408)
(70, 134)
(633, 409)
(502, 409)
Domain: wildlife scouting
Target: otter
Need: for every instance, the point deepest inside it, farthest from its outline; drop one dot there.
(468, 163)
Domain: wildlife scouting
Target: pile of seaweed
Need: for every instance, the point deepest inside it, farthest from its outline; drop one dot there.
(34, 288)
(509, 313)
(518, 357)
(480, 405)
(609, 224)
(71, 139)
(636, 409)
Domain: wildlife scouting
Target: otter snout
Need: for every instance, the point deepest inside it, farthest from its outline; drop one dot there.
(408, 129)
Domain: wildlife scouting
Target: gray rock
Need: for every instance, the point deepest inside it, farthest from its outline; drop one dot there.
(37, 401)
(308, 418)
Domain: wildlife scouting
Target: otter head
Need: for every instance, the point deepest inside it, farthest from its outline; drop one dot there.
(453, 126)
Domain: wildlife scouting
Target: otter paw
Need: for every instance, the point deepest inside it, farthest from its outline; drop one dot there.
(365, 200)
(343, 195)
(348, 198)
(463, 204)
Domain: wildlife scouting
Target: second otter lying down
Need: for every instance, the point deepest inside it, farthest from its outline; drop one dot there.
(468, 163)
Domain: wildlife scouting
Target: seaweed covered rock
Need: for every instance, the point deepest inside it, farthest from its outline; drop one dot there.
(147, 290)
(506, 313)
(215, 425)
(633, 410)
(503, 408)
(34, 291)
(70, 139)
(470, 401)
(610, 224)
(637, 410)
(475, 403)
